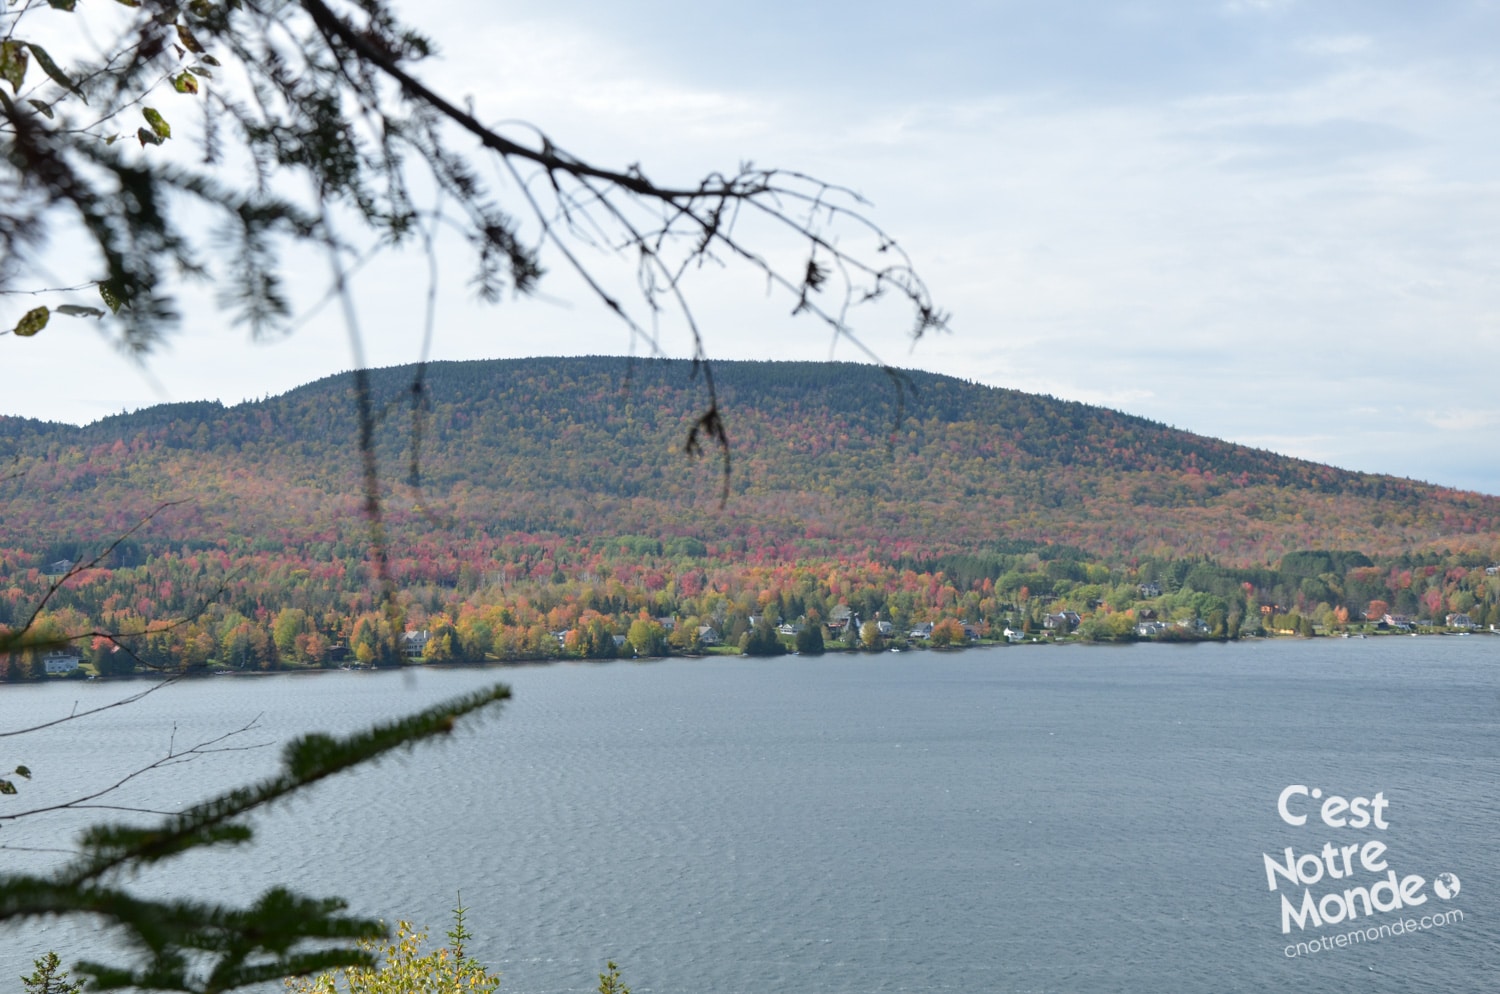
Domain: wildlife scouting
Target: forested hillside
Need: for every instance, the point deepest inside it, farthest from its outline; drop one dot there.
(826, 457)
(570, 473)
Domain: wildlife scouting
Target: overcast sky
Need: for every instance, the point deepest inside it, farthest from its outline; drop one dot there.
(1272, 221)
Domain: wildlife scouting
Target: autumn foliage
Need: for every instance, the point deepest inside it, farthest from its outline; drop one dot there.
(543, 508)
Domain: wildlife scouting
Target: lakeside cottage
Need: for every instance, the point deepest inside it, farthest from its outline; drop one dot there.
(413, 643)
(1400, 622)
(1064, 621)
(61, 661)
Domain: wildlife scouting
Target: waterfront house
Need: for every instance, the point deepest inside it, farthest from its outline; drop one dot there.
(1064, 621)
(61, 661)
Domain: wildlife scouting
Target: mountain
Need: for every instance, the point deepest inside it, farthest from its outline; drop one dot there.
(824, 459)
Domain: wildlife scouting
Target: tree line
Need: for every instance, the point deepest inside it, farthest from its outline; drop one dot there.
(549, 598)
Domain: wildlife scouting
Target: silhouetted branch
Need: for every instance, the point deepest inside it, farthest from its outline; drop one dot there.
(172, 758)
(11, 641)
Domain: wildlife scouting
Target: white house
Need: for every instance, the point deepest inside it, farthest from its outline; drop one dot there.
(61, 661)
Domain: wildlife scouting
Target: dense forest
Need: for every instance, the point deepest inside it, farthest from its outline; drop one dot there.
(546, 506)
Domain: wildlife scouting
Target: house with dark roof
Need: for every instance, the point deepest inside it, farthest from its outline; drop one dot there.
(1064, 621)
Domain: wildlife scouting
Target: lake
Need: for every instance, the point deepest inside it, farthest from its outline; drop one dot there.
(1028, 819)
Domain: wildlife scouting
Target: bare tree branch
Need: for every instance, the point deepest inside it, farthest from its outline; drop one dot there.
(75, 714)
(11, 641)
(172, 757)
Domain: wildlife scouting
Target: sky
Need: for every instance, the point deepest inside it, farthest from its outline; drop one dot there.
(1271, 221)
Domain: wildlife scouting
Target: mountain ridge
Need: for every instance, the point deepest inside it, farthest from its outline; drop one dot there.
(822, 456)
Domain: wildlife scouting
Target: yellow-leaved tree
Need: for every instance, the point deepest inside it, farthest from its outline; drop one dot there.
(402, 967)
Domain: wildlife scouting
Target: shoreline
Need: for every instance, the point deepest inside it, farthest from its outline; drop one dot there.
(839, 651)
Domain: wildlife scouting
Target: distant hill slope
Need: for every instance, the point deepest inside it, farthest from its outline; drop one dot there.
(826, 457)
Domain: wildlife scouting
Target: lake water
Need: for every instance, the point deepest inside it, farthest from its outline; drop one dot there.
(1059, 819)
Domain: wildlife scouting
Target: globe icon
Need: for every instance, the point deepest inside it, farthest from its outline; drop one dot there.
(1446, 886)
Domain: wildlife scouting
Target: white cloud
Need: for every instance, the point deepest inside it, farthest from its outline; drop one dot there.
(1337, 45)
(1462, 420)
(588, 93)
(1255, 6)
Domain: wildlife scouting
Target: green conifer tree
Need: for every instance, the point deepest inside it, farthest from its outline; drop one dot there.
(50, 977)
